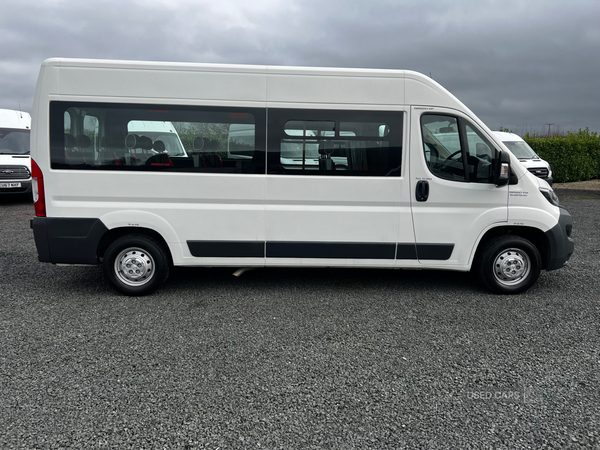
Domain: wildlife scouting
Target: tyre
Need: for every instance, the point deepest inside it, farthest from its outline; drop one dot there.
(509, 265)
(136, 265)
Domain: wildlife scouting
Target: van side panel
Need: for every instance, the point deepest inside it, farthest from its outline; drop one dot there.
(183, 84)
(308, 87)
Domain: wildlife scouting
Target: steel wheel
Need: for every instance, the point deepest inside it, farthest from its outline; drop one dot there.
(136, 264)
(509, 264)
(512, 266)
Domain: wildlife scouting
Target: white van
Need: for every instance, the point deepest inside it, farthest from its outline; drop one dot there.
(526, 155)
(290, 166)
(15, 162)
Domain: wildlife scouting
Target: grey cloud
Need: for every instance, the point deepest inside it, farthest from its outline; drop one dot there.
(513, 63)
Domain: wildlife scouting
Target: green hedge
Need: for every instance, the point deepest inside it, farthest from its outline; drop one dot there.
(574, 157)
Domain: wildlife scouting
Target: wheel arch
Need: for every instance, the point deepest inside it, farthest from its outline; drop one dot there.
(122, 223)
(112, 235)
(536, 236)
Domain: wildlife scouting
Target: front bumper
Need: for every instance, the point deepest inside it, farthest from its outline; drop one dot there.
(561, 244)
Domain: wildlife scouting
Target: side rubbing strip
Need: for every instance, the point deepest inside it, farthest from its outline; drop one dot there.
(440, 252)
(334, 250)
(406, 251)
(319, 250)
(227, 249)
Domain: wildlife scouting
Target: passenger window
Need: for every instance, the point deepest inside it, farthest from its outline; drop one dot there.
(337, 143)
(135, 137)
(447, 140)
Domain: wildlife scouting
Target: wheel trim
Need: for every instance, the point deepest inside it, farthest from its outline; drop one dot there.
(511, 266)
(134, 266)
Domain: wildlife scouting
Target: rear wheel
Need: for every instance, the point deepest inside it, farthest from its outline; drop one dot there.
(136, 265)
(509, 265)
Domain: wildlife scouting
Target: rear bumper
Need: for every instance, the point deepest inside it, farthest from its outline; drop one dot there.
(67, 240)
(561, 244)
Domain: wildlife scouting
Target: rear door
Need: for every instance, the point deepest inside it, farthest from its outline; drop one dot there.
(454, 199)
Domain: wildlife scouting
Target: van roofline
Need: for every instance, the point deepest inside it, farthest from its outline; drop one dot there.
(247, 68)
(281, 84)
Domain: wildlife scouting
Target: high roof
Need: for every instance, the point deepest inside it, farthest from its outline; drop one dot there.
(164, 82)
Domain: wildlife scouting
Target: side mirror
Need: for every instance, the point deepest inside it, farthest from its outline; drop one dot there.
(501, 169)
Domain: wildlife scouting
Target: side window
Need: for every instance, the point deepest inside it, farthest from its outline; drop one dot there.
(455, 150)
(479, 156)
(335, 143)
(442, 146)
(141, 138)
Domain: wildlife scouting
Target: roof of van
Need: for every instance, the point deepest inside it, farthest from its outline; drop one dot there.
(276, 85)
(14, 119)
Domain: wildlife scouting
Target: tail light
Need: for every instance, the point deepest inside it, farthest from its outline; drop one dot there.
(39, 198)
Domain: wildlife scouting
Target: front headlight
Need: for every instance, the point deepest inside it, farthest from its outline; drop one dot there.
(550, 196)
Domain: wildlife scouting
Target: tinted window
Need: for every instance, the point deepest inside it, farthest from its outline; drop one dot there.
(92, 136)
(340, 143)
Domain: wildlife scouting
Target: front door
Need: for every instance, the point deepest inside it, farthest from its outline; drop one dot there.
(454, 199)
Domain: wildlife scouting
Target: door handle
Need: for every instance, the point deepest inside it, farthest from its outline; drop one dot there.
(422, 192)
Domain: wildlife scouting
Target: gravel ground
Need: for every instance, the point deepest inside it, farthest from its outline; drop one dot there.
(590, 185)
(283, 358)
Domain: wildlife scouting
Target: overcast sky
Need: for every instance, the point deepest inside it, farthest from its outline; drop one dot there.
(517, 64)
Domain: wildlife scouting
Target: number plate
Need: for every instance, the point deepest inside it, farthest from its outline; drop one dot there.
(10, 185)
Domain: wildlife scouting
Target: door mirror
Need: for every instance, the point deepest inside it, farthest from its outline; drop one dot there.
(501, 168)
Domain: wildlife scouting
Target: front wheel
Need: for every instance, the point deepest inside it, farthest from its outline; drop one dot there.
(509, 265)
(136, 265)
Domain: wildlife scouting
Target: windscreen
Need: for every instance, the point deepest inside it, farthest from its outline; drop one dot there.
(520, 149)
(14, 141)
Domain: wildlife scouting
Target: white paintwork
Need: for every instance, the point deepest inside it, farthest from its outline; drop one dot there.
(210, 206)
(15, 119)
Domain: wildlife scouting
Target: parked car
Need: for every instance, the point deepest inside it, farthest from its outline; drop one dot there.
(15, 162)
(526, 155)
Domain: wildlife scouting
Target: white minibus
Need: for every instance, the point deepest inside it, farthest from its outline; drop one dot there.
(526, 155)
(15, 165)
(283, 166)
